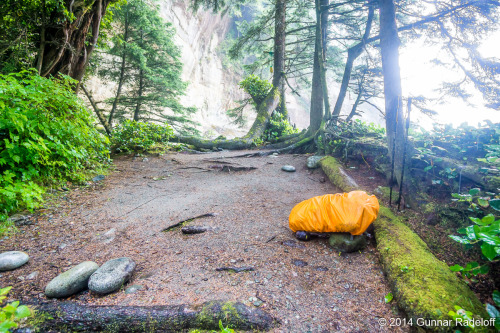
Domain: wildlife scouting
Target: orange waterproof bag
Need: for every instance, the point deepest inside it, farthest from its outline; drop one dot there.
(351, 212)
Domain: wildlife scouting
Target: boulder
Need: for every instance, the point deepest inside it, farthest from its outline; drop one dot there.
(345, 242)
(111, 275)
(72, 281)
(313, 161)
(12, 260)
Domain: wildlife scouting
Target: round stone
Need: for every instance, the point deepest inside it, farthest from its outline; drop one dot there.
(345, 242)
(313, 161)
(72, 281)
(288, 168)
(133, 289)
(12, 260)
(111, 275)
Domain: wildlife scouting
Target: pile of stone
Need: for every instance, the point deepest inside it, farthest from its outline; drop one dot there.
(110, 277)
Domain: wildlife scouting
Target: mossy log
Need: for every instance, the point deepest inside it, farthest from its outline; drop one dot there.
(337, 175)
(422, 285)
(73, 317)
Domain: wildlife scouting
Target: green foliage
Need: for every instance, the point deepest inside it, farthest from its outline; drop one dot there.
(256, 88)
(12, 313)
(278, 126)
(46, 136)
(145, 63)
(338, 135)
(388, 298)
(221, 327)
(138, 136)
(484, 233)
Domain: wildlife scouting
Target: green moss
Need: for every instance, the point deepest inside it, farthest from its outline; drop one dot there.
(428, 289)
(383, 192)
(335, 173)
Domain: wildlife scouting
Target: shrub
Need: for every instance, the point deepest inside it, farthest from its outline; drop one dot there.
(11, 314)
(278, 126)
(46, 136)
(256, 88)
(138, 136)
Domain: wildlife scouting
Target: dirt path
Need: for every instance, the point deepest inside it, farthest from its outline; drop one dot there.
(309, 287)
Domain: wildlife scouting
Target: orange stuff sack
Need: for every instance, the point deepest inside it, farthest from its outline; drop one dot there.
(351, 212)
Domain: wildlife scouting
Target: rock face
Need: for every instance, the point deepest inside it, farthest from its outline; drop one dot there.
(313, 161)
(288, 168)
(12, 260)
(345, 242)
(72, 281)
(111, 275)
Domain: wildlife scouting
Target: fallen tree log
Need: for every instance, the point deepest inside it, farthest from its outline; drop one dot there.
(73, 317)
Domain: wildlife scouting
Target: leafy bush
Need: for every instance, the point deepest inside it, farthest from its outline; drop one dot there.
(138, 136)
(278, 126)
(484, 233)
(46, 136)
(12, 313)
(256, 88)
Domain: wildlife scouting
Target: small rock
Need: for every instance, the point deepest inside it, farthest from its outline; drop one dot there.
(111, 275)
(32, 276)
(132, 289)
(258, 303)
(62, 246)
(108, 236)
(98, 178)
(145, 159)
(345, 242)
(193, 229)
(12, 260)
(320, 268)
(20, 220)
(288, 168)
(299, 263)
(313, 161)
(72, 281)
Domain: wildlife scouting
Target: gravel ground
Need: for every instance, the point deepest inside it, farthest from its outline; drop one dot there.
(307, 286)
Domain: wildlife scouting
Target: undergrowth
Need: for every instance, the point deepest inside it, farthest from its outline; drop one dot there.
(46, 137)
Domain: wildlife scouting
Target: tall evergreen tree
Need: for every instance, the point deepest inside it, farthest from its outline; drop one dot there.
(145, 64)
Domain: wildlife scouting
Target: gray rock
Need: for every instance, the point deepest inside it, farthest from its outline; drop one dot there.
(133, 289)
(98, 178)
(313, 161)
(111, 275)
(32, 276)
(345, 242)
(72, 281)
(288, 168)
(20, 220)
(108, 236)
(12, 260)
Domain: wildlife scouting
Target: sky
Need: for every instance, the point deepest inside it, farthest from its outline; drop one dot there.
(421, 77)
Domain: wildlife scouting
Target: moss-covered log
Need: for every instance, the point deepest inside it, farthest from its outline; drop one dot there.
(423, 286)
(337, 175)
(72, 317)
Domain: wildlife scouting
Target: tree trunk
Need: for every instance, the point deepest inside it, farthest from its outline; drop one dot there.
(98, 112)
(139, 96)
(355, 106)
(279, 42)
(352, 53)
(41, 48)
(389, 47)
(317, 102)
(70, 44)
(73, 317)
(121, 78)
(324, 37)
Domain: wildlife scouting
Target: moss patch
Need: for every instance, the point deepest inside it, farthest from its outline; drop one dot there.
(335, 172)
(423, 286)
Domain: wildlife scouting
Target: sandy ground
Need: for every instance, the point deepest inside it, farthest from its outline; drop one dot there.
(308, 286)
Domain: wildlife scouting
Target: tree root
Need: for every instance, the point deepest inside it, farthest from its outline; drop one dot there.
(73, 317)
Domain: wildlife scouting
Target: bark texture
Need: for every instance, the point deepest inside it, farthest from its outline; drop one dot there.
(72, 317)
